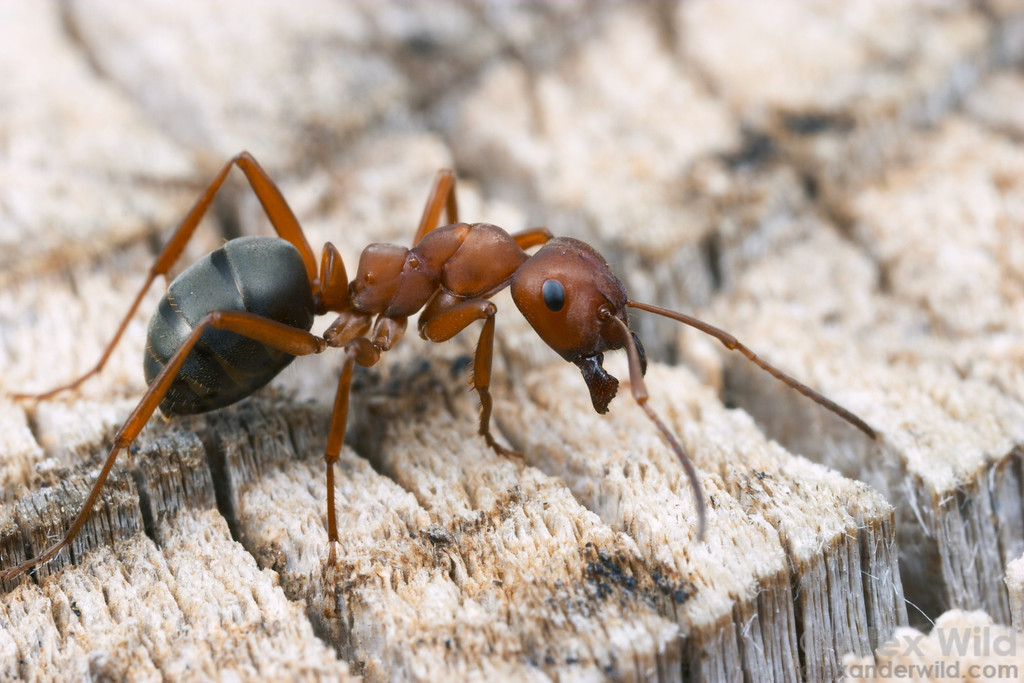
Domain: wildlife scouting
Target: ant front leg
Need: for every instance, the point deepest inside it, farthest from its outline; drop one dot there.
(446, 323)
(274, 204)
(386, 333)
(362, 351)
(276, 335)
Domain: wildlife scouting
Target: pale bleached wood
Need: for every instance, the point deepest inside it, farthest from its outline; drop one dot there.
(196, 605)
(44, 515)
(12, 545)
(460, 564)
(943, 476)
(197, 608)
(821, 523)
(1015, 586)
(20, 449)
(301, 87)
(959, 646)
(537, 136)
(951, 415)
(65, 159)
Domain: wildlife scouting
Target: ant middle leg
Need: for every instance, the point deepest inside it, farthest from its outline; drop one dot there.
(446, 323)
(281, 217)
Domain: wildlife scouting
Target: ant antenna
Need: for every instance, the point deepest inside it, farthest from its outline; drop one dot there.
(639, 389)
(733, 344)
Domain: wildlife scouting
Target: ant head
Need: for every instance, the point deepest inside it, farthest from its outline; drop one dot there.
(571, 298)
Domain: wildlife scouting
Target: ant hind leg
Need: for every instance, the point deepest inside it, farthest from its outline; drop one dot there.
(532, 237)
(269, 332)
(442, 196)
(281, 217)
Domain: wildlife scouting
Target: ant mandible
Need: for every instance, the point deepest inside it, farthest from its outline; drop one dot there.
(234, 319)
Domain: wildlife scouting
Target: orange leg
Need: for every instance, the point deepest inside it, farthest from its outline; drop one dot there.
(336, 437)
(533, 237)
(274, 334)
(333, 294)
(362, 351)
(442, 196)
(386, 333)
(444, 325)
(277, 209)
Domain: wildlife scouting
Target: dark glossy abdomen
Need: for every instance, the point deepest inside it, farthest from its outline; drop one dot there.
(261, 275)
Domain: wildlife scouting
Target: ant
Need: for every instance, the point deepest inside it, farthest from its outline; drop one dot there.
(234, 319)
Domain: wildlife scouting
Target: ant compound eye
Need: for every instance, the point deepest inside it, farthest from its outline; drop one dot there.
(554, 295)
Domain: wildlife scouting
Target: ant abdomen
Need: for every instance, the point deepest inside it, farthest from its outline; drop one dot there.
(225, 367)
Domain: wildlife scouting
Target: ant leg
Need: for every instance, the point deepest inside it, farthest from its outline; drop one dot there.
(277, 335)
(281, 217)
(533, 237)
(444, 325)
(361, 351)
(335, 438)
(386, 333)
(442, 196)
(334, 293)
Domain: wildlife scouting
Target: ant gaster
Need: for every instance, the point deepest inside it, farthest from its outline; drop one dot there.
(234, 319)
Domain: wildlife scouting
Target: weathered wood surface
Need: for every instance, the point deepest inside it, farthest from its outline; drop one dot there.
(839, 185)
(966, 646)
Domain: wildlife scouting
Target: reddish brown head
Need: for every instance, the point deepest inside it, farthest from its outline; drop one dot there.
(570, 296)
